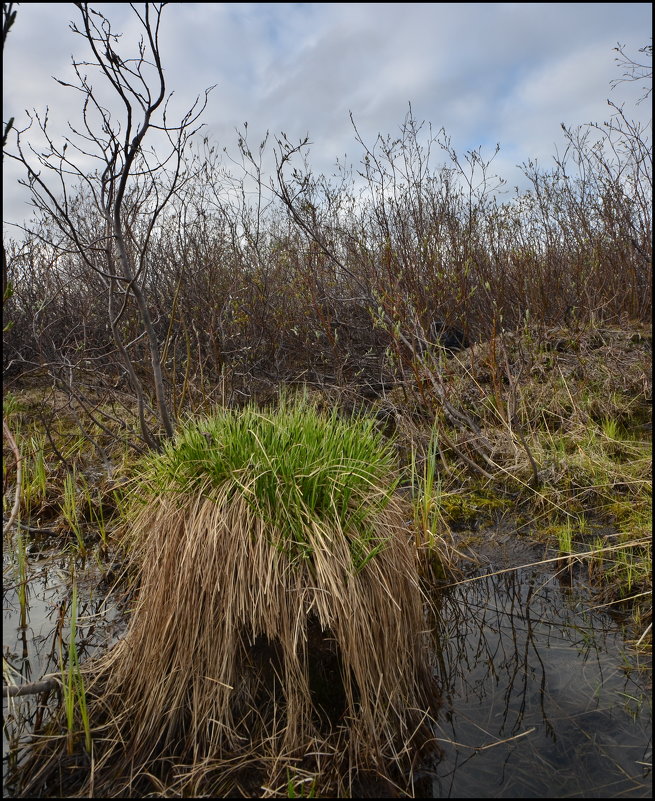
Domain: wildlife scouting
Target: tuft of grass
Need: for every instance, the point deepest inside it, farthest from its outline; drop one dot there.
(70, 510)
(35, 479)
(267, 545)
(426, 485)
(73, 691)
(21, 556)
(565, 538)
(10, 405)
(300, 787)
(296, 469)
(433, 533)
(97, 513)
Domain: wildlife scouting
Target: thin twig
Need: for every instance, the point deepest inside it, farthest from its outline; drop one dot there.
(648, 628)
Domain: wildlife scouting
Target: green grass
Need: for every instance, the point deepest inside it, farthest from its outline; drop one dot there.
(296, 467)
(73, 691)
(426, 487)
(35, 479)
(300, 788)
(70, 510)
(10, 405)
(276, 529)
(21, 556)
(565, 539)
(97, 513)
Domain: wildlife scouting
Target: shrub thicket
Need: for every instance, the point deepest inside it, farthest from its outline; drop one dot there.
(344, 281)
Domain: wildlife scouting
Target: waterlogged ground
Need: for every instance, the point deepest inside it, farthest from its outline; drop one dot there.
(542, 697)
(40, 646)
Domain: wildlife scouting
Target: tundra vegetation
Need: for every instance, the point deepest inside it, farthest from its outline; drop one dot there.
(286, 404)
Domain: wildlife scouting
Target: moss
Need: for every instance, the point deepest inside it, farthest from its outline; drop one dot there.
(632, 521)
(473, 508)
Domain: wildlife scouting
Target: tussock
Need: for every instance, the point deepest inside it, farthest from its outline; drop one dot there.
(278, 629)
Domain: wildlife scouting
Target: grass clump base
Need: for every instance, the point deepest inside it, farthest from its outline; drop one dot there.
(278, 628)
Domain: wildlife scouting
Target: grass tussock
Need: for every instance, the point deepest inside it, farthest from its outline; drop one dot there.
(279, 616)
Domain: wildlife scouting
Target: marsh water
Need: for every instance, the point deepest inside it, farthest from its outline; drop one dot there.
(542, 698)
(40, 646)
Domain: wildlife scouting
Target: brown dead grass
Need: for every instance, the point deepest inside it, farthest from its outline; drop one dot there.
(224, 662)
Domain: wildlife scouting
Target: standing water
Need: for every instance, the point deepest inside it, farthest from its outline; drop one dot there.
(40, 646)
(542, 698)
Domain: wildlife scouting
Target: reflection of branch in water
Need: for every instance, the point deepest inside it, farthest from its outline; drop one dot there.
(550, 730)
(49, 682)
(540, 563)
(507, 643)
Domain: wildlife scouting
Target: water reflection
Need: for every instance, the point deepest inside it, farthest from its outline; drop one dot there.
(540, 698)
(32, 650)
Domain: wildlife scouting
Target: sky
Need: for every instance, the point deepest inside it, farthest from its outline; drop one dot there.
(507, 73)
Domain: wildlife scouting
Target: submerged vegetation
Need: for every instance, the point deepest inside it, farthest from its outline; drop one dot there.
(279, 427)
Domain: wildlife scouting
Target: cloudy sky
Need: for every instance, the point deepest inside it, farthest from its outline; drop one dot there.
(489, 72)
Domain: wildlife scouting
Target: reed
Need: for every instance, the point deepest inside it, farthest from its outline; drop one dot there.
(73, 691)
(21, 556)
(70, 510)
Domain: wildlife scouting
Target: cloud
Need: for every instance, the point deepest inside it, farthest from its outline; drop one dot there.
(487, 72)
